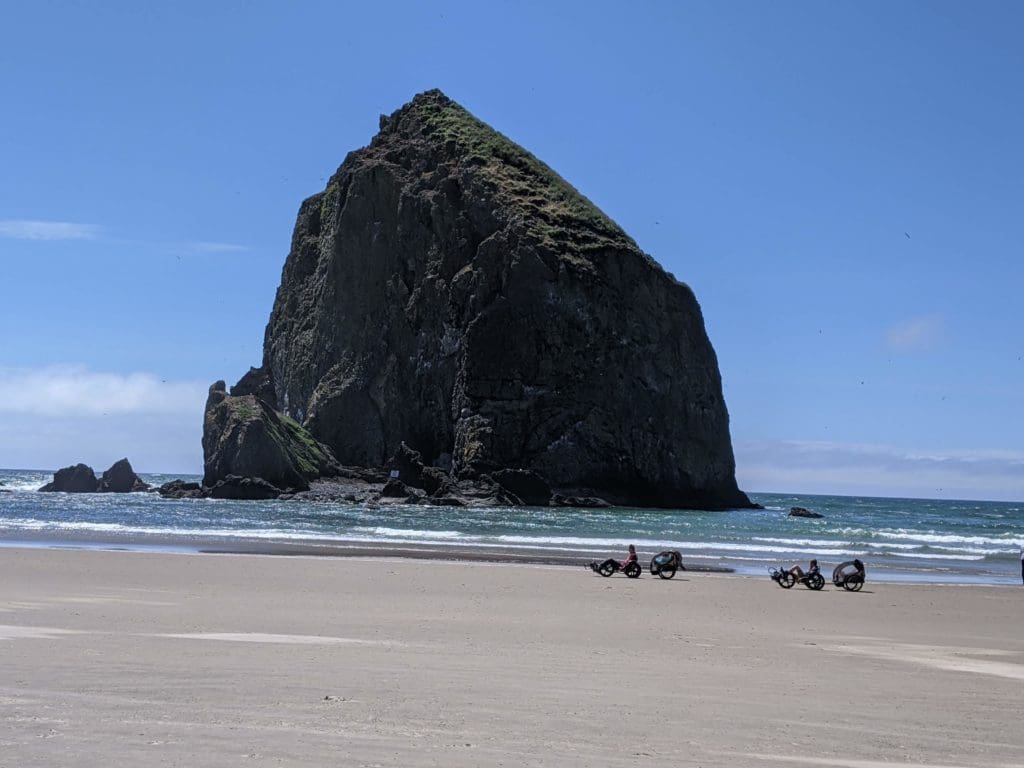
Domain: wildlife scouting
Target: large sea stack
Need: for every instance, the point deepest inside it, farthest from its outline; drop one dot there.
(450, 291)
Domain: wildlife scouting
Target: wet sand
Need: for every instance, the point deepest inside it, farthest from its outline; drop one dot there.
(127, 659)
(200, 544)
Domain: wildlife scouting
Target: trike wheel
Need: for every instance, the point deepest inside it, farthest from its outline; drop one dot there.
(815, 581)
(853, 585)
(606, 569)
(667, 573)
(632, 570)
(786, 579)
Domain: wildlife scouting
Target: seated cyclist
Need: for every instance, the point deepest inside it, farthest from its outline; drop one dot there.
(630, 558)
(797, 571)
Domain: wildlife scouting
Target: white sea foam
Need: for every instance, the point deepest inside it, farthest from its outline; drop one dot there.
(930, 537)
(414, 537)
(802, 542)
(410, 533)
(975, 550)
(575, 541)
(23, 486)
(368, 534)
(943, 538)
(924, 556)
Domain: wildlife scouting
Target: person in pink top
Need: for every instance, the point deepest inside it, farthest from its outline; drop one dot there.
(630, 558)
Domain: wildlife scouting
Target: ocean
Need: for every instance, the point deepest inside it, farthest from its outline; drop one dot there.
(918, 540)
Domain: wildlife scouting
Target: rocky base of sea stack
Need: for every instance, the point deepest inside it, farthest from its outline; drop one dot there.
(355, 485)
(253, 452)
(405, 480)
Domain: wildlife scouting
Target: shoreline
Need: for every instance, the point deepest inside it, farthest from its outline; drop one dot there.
(914, 541)
(450, 553)
(200, 545)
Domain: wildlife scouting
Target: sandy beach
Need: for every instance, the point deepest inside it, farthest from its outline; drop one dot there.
(128, 659)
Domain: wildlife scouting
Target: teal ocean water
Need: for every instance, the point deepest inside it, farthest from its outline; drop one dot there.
(899, 539)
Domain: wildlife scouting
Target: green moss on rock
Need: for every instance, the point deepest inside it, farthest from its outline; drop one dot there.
(244, 436)
(549, 206)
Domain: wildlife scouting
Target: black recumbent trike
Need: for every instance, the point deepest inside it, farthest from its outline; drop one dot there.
(786, 579)
(610, 566)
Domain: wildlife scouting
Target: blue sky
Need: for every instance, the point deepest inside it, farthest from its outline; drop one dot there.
(842, 184)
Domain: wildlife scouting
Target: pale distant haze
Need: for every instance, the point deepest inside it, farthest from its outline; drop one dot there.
(842, 184)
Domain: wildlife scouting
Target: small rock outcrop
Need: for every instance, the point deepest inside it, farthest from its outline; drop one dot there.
(803, 512)
(584, 502)
(121, 478)
(80, 478)
(75, 479)
(244, 437)
(449, 292)
(180, 489)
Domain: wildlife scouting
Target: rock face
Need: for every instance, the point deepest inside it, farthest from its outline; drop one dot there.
(449, 290)
(527, 485)
(76, 479)
(244, 488)
(121, 478)
(80, 478)
(244, 437)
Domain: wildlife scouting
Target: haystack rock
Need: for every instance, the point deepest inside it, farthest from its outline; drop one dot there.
(450, 291)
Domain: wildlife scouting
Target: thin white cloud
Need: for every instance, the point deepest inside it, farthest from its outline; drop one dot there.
(163, 442)
(836, 468)
(55, 416)
(206, 246)
(69, 391)
(24, 229)
(37, 229)
(915, 334)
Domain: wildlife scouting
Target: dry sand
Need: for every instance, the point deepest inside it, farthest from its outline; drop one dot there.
(140, 659)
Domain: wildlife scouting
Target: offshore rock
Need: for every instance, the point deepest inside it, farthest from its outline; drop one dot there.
(244, 437)
(449, 290)
(244, 489)
(76, 479)
(121, 478)
(180, 489)
(804, 512)
(558, 500)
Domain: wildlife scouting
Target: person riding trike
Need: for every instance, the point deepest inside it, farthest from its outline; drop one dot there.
(631, 566)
